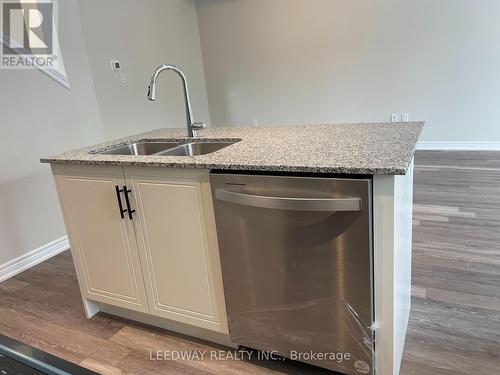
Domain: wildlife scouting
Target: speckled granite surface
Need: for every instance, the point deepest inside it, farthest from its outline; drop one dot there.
(379, 148)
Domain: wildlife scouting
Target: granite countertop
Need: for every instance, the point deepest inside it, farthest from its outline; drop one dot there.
(378, 148)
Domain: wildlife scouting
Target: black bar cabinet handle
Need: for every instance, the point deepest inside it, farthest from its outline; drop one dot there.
(120, 205)
(127, 200)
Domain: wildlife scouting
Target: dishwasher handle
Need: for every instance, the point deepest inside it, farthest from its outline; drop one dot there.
(348, 204)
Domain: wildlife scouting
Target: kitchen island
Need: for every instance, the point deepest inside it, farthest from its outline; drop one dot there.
(144, 235)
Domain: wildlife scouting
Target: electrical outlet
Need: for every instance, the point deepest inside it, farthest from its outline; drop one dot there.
(394, 117)
(405, 117)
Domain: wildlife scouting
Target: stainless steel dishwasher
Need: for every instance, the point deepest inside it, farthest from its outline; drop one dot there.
(296, 256)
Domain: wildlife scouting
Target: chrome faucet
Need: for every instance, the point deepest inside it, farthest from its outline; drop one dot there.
(192, 126)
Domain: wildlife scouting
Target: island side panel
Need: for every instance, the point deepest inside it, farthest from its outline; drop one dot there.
(402, 261)
(392, 226)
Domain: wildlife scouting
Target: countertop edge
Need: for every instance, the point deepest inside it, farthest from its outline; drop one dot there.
(232, 167)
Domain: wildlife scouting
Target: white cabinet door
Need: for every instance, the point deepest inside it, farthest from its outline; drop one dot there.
(102, 242)
(177, 241)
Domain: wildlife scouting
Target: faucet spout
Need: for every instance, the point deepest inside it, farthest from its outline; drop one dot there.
(191, 124)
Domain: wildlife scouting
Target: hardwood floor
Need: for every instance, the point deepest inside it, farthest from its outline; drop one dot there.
(455, 320)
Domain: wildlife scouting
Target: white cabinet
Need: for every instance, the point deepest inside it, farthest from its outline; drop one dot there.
(177, 242)
(103, 246)
(162, 258)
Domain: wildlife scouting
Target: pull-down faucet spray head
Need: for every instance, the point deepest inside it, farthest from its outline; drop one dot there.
(152, 91)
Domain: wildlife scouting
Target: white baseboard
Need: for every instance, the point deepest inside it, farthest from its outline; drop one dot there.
(34, 257)
(458, 146)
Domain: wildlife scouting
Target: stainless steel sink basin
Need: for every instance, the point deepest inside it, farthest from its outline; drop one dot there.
(142, 148)
(196, 148)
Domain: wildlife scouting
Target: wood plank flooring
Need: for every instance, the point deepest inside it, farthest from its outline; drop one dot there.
(455, 320)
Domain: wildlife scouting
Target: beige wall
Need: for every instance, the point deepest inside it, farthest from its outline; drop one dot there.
(297, 61)
(142, 35)
(40, 117)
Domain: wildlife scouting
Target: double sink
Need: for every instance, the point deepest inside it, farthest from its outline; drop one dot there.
(168, 148)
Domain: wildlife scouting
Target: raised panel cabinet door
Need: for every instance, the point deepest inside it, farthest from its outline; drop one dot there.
(178, 245)
(103, 243)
